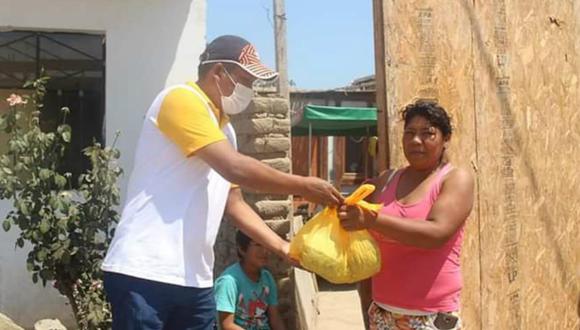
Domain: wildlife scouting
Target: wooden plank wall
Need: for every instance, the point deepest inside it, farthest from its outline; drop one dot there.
(300, 155)
(507, 71)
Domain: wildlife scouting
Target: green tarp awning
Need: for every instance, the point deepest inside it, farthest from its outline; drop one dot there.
(337, 121)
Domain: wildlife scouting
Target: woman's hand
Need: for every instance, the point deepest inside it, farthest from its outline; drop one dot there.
(354, 217)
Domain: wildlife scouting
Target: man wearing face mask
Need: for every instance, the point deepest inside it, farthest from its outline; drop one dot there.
(158, 272)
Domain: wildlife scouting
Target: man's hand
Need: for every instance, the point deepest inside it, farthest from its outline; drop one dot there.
(321, 192)
(354, 217)
(253, 174)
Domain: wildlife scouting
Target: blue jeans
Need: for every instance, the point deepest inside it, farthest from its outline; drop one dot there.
(139, 304)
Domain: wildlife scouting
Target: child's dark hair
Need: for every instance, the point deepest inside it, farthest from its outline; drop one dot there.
(430, 110)
(242, 242)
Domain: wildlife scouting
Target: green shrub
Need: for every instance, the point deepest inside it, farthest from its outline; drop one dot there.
(68, 225)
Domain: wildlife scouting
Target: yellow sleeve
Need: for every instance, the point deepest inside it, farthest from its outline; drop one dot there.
(185, 120)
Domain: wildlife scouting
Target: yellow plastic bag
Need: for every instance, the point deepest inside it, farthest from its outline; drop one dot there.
(325, 248)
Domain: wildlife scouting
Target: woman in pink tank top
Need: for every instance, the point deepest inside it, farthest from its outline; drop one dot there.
(419, 229)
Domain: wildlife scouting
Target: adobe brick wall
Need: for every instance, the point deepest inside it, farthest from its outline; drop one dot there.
(263, 132)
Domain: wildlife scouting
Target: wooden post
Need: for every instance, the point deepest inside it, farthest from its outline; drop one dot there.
(281, 49)
(381, 84)
(309, 149)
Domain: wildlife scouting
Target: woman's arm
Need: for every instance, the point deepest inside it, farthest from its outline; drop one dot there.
(448, 213)
(275, 318)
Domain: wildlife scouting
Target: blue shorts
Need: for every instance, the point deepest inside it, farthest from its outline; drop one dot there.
(147, 305)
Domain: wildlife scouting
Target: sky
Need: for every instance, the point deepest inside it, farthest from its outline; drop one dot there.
(330, 43)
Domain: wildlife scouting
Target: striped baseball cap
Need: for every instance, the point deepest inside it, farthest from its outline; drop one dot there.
(237, 50)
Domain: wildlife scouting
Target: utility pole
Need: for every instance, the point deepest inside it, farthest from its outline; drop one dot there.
(281, 49)
(381, 84)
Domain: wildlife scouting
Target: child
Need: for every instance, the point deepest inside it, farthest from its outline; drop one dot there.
(245, 293)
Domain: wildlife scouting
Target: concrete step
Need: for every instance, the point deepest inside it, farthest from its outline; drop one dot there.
(339, 310)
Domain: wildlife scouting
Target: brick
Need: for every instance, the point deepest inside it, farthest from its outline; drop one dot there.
(269, 209)
(280, 227)
(262, 126)
(252, 198)
(271, 155)
(280, 105)
(261, 115)
(281, 164)
(277, 136)
(260, 145)
(281, 126)
(269, 105)
(256, 196)
(254, 126)
(277, 144)
(260, 105)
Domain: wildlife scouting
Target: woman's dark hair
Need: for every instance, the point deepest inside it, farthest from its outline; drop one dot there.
(242, 242)
(430, 110)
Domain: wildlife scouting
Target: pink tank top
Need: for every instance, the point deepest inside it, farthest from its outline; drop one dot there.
(417, 278)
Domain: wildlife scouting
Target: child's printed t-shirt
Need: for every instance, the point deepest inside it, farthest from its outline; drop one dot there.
(248, 300)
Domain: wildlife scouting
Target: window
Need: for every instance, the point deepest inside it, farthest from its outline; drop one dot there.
(76, 64)
(357, 163)
(354, 153)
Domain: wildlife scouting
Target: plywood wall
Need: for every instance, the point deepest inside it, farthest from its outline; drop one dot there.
(528, 139)
(428, 56)
(507, 71)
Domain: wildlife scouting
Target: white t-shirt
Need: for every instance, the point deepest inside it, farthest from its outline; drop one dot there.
(175, 201)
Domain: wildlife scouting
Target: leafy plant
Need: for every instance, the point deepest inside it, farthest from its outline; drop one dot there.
(68, 229)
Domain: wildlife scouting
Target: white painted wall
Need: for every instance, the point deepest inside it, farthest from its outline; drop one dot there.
(150, 44)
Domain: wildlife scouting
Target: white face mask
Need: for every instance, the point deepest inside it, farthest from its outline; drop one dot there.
(239, 100)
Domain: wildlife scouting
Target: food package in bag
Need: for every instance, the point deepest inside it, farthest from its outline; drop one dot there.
(322, 246)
